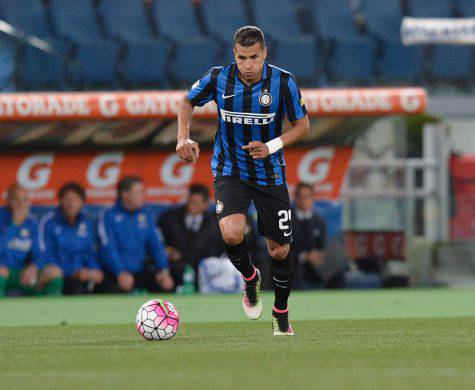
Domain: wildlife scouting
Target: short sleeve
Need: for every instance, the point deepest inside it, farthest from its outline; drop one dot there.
(203, 90)
(294, 103)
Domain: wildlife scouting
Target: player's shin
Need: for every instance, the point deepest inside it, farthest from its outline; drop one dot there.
(241, 259)
(282, 272)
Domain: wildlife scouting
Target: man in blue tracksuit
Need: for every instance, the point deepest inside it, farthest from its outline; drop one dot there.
(67, 240)
(128, 238)
(19, 254)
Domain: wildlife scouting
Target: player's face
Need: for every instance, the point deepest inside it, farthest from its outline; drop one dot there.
(250, 60)
(135, 197)
(18, 199)
(196, 204)
(305, 199)
(71, 204)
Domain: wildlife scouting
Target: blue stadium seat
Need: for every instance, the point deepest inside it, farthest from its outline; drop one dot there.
(28, 16)
(75, 20)
(223, 17)
(399, 62)
(353, 60)
(466, 7)
(334, 19)
(95, 63)
(276, 18)
(176, 19)
(146, 63)
(430, 8)
(125, 19)
(39, 70)
(332, 214)
(298, 56)
(383, 18)
(193, 58)
(452, 62)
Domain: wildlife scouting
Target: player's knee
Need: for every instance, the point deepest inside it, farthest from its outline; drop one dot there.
(279, 252)
(232, 233)
(4, 272)
(51, 272)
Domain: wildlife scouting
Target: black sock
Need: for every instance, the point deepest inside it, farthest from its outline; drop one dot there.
(241, 258)
(282, 271)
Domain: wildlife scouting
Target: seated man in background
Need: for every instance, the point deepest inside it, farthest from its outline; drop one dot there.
(190, 232)
(312, 267)
(67, 243)
(128, 238)
(19, 254)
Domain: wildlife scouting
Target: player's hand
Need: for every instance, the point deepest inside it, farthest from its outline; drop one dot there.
(126, 281)
(188, 150)
(97, 276)
(83, 275)
(173, 253)
(164, 280)
(19, 214)
(257, 149)
(316, 258)
(29, 276)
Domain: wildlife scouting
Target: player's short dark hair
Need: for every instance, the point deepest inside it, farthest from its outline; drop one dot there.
(72, 186)
(126, 183)
(200, 189)
(301, 185)
(249, 35)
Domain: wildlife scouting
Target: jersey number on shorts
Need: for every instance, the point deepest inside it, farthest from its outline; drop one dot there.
(285, 217)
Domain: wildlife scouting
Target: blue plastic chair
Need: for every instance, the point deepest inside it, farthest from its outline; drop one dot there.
(430, 8)
(146, 62)
(383, 18)
(176, 19)
(466, 7)
(353, 60)
(276, 18)
(223, 18)
(193, 58)
(125, 19)
(28, 16)
(298, 56)
(399, 62)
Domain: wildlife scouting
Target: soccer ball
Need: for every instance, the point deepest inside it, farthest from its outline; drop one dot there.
(157, 319)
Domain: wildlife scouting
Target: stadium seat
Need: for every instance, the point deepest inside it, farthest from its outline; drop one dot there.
(223, 17)
(452, 62)
(429, 8)
(125, 19)
(276, 18)
(193, 58)
(298, 56)
(95, 63)
(146, 63)
(465, 7)
(399, 62)
(383, 18)
(334, 20)
(75, 20)
(39, 70)
(353, 61)
(176, 19)
(29, 16)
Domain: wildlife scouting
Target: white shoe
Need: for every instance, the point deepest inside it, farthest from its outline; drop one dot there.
(281, 325)
(252, 299)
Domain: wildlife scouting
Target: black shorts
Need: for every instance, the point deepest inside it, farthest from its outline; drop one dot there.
(233, 196)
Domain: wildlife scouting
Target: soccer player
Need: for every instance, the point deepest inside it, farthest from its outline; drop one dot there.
(19, 254)
(248, 162)
(67, 240)
(128, 238)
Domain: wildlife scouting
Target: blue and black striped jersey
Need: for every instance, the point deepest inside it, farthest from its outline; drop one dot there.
(249, 113)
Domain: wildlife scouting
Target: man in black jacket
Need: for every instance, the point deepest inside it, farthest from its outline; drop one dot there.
(190, 232)
(312, 269)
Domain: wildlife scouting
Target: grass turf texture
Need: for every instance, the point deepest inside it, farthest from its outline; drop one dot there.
(393, 339)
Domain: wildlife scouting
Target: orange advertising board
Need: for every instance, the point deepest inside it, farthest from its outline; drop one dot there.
(164, 104)
(166, 177)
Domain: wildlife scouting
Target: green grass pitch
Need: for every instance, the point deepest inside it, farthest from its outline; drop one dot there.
(391, 339)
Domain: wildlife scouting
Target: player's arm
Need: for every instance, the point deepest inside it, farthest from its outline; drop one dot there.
(200, 93)
(297, 114)
(186, 148)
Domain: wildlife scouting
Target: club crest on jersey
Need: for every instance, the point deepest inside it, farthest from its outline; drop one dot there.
(219, 207)
(265, 99)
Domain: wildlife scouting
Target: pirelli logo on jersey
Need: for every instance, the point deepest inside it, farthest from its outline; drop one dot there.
(246, 118)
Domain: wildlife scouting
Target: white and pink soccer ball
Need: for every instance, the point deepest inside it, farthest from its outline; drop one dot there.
(157, 319)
